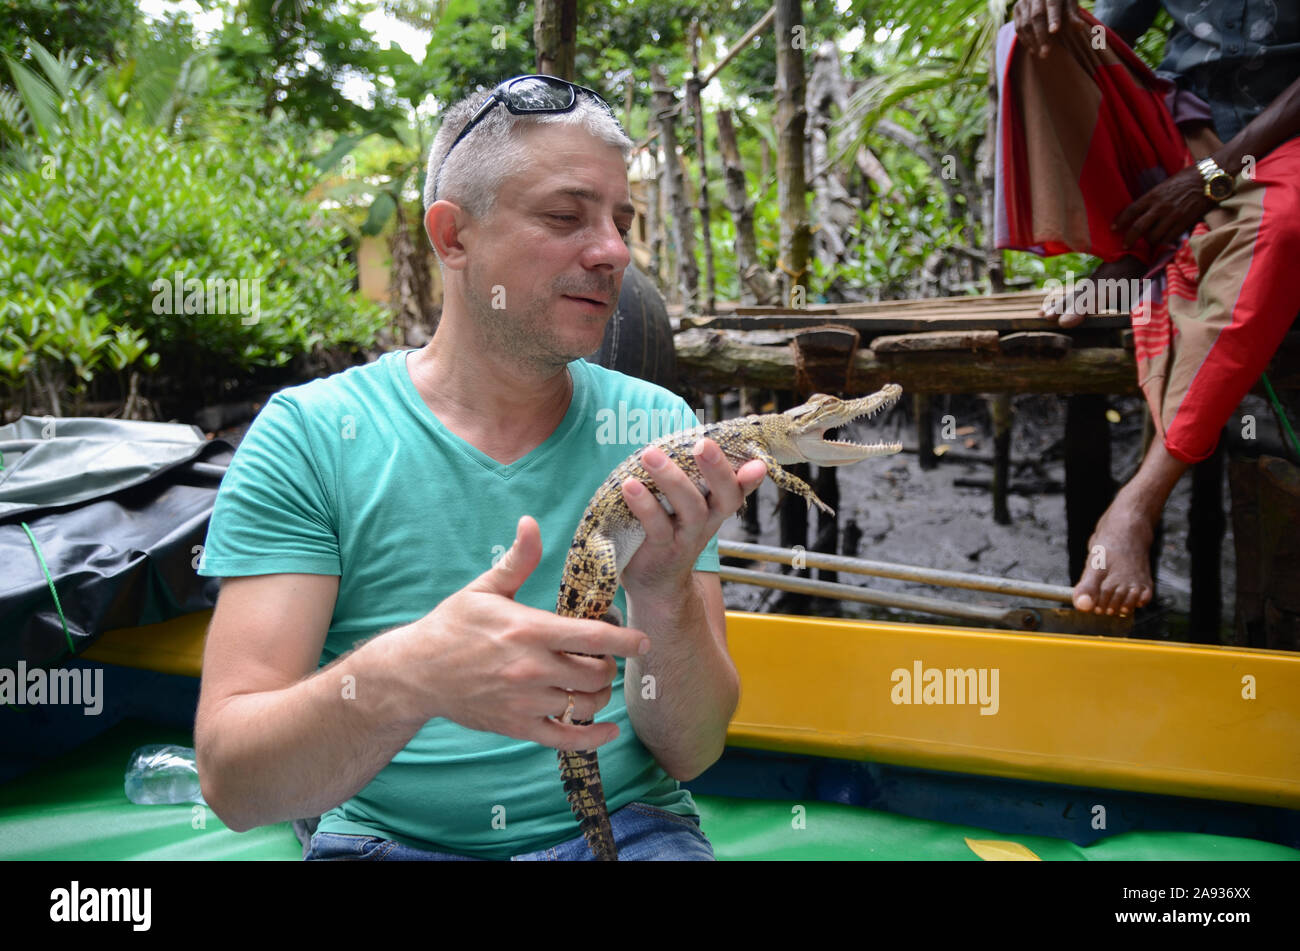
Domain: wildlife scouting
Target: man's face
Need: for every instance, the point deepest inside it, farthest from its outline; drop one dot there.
(545, 267)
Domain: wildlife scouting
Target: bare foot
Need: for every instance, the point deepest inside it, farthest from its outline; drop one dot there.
(1117, 576)
(1070, 311)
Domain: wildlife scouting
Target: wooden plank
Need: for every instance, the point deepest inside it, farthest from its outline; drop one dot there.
(1018, 300)
(720, 360)
(870, 325)
(1029, 343)
(941, 340)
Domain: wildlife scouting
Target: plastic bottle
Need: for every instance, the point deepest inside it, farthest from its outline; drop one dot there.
(160, 774)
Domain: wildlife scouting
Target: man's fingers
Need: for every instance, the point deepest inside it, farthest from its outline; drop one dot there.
(725, 492)
(585, 705)
(588, 674)
(1020, 17)
(508, 575)
(1054, 15)
(687, 501)
(580, 636)
(1142, 227)
(566, 736)
(751, 475)
(1130, 214)
(1038, 20)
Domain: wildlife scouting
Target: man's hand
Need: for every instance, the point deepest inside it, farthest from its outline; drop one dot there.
(665, 560)
(492, 664)
(1166, 211)
(1039, 22)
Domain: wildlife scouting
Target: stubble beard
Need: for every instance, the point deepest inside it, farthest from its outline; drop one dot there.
(523, 335)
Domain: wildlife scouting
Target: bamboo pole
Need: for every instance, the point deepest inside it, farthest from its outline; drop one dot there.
(884, 569)
(764, 23)
(1001, 617)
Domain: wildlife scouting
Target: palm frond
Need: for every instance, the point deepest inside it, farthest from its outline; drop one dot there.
(881, 93)
(39, 100)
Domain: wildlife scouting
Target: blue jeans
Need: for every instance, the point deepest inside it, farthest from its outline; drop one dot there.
(643, 834)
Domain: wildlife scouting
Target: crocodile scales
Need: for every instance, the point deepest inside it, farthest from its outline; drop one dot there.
(609, 535)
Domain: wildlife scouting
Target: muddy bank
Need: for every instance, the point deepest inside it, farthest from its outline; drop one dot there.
(917, 517)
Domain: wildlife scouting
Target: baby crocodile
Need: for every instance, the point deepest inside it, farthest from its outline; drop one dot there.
(609, 535)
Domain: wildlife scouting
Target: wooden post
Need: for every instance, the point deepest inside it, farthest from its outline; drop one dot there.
(1206, 524)
(1089, 487)
(1000, 407)
(751, 405)
(924, 413)
(791, 116)
(693, 86)
(827, 487)
(793, 515)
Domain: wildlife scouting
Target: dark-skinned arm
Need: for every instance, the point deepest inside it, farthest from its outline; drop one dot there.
(1177, 203)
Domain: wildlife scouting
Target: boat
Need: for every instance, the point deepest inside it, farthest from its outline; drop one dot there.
(854, 740)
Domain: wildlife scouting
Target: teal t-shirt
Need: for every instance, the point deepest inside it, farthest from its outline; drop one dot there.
(355, 476)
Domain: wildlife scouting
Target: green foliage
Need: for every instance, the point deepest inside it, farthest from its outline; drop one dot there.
(99, 29)
(297, 54)
(115, 207)
(476, 45)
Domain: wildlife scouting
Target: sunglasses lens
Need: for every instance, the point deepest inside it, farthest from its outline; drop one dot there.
(535, 94)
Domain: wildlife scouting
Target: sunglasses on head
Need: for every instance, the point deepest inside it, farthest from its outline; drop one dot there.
(529, 95)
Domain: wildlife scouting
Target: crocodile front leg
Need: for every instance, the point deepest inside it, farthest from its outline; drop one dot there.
(783, 478)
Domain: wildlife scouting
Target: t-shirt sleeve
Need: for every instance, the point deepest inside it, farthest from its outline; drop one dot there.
(275, 511)
(708, 560)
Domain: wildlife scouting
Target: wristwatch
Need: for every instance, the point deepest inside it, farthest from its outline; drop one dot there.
(1218, 183)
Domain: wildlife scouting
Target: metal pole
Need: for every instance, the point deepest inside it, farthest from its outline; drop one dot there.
(1013, 618)
(881, 569)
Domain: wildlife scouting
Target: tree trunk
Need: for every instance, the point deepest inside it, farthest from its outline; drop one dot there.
(687, 270)
(653, 233)
(697, 113)
(756, 285)
(411, 294)
(791, 117)
(988, 157)
(836, 211)
(555, 35)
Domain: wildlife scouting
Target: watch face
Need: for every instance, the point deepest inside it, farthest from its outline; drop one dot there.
(1220, 186)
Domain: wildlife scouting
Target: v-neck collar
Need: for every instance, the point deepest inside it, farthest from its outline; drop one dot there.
(576, 412)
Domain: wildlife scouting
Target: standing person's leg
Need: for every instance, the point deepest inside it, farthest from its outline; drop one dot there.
(1245, 275)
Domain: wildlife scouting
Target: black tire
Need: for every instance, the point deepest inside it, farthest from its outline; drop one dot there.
(639, 339)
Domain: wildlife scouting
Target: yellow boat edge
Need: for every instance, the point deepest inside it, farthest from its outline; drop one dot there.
(1147, 716)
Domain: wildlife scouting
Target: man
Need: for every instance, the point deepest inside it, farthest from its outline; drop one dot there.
(1230, 293)
(382, 501)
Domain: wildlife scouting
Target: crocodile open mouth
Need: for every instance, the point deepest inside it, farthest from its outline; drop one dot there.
(832, 452)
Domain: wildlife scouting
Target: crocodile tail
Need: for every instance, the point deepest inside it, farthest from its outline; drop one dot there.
(586, 795)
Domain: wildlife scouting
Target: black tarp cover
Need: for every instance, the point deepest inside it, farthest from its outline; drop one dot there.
(119, 510)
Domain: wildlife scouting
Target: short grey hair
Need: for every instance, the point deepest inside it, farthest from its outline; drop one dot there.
(495, 149)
